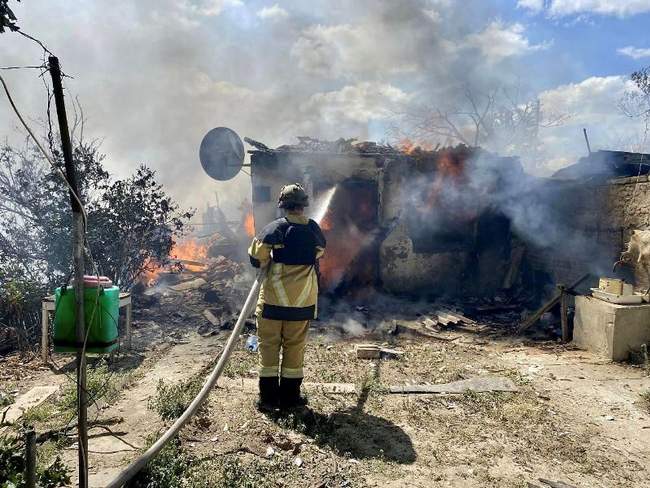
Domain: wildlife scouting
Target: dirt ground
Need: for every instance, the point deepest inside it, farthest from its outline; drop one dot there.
(575, 418)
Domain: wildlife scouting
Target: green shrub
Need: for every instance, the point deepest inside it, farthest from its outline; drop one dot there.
(172, 400)
(167, 470)
(12, 467)
(100, 383)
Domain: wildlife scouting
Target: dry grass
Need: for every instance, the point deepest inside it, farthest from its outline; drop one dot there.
(645, 398)
(378, 439)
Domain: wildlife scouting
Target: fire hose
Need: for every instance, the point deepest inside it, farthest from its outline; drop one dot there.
(247, 309)
(142, 460)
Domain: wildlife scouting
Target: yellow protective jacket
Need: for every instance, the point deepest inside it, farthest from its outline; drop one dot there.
(291, 247)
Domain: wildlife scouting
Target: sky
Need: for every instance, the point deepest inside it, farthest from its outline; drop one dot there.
(153, 76)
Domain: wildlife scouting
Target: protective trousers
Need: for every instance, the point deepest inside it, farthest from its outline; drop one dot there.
(288, 336)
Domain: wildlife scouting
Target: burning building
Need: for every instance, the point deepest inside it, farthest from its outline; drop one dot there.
(407, 220)
(458, 221)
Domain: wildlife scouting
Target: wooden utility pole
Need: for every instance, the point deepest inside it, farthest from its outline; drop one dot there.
(78, 231)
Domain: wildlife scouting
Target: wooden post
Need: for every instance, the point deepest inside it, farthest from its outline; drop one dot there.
(45, 337)
(30, 457)
(78, 230)
(128, 331)
(564, 312)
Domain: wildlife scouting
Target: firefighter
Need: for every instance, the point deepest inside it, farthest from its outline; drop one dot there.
(290, 246)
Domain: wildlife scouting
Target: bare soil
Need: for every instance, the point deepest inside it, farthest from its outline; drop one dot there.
(575, 418)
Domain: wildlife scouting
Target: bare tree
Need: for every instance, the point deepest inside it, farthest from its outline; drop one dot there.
(635, 102)
(501, 120)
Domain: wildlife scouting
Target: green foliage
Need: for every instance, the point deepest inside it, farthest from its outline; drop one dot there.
(55, 475)
(142, 222)
(174, 467)
(231, 472)
(172, 400)
(5, 399)
(7, 17)
(12, 467)
(132, 225)
(45, 412)
(20, 300)
(12, 463)
(100, 383)
(167, 470)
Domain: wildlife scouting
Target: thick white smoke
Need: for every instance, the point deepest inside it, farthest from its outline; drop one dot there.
(154, 75)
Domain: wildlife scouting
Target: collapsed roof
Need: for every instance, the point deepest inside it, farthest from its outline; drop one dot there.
(346, 146)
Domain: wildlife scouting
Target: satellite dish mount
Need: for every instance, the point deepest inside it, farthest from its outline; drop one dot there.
(221, 153)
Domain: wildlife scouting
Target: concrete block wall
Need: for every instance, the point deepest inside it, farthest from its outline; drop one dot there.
(610, 330)
(628, 210)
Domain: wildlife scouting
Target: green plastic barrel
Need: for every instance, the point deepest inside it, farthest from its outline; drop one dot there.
(101, 314)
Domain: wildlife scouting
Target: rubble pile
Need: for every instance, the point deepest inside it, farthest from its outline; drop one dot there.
(207, 293)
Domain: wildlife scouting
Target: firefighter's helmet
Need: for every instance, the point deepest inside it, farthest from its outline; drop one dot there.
(292, 196)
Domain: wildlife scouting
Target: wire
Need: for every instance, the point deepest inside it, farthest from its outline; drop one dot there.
(22, 67)
(36, 41)
(38, 144)
(83, 213)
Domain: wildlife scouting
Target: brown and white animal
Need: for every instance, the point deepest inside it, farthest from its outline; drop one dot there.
(638, 254)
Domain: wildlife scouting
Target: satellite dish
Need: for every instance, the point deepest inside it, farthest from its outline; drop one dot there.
(221, 153)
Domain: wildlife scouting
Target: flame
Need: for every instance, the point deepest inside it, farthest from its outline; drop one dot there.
(187, 250)
(190, 250)
(411, 147)
(326, 223)
(150, 273)
(407, 146)
(249, 224)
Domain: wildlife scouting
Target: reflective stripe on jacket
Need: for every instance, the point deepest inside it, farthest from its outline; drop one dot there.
(291, 245)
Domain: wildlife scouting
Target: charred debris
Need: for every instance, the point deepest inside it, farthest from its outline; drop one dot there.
(457, 225)
(437, 231)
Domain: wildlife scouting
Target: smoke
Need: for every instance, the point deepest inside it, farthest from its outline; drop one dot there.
(154, 76)
(547, 215)
(353, 328)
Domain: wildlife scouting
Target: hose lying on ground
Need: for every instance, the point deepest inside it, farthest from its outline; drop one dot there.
(142, 460)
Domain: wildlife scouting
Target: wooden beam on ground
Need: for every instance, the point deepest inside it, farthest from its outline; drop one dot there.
(374, 351)
(548, 306)
(211, 318)
(480, 384)
(555, 484)
(188, 262)
(421, 331)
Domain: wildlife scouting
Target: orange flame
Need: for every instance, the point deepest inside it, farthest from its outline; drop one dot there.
(151, 272)
(326, 223)
(249, 224)
(190, 250)
(410, 147)
(407, 146)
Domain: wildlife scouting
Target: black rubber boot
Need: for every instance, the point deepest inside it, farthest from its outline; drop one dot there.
(290, 393)
(269, 394)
